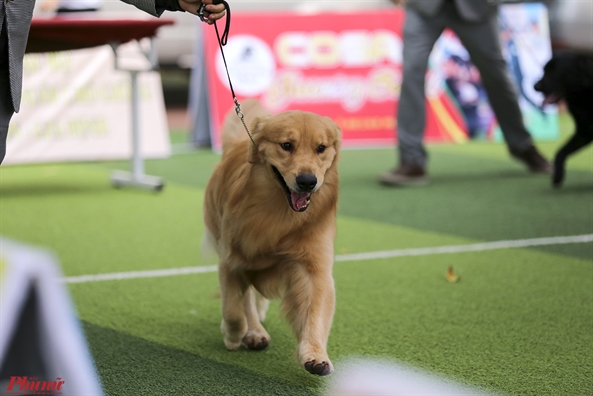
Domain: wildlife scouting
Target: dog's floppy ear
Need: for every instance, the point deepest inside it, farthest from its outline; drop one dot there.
(338, 137)
(337, 133)
(253, 153)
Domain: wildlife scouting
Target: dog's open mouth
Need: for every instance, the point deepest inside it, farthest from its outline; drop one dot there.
(298, 201)
(552, 98)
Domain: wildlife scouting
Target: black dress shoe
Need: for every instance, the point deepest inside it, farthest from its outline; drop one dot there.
(534, 161)
(406, 174)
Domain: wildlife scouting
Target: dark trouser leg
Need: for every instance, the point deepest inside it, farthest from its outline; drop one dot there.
(420, 34)
(6, 110)
(483, 44)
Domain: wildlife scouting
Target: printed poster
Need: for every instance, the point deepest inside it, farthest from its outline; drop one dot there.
(348, 66)
(76, 107)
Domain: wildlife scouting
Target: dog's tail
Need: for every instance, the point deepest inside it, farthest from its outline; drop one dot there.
(233, 131)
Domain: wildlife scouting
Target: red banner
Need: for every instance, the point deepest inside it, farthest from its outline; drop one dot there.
(342, 65)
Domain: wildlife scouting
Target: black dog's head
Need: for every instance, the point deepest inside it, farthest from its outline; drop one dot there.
(565, 75)
(550, 84)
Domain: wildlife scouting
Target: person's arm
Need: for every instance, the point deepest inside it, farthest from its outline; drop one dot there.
(157, 7)
(49, 5)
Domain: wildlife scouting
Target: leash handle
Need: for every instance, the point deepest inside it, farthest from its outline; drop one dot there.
(227, 26)
(222, 41)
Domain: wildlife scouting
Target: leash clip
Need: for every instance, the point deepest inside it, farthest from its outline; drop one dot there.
(242, 118)
(238, 109)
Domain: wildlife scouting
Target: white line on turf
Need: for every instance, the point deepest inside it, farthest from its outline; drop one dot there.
(474, 247)
(140, 274)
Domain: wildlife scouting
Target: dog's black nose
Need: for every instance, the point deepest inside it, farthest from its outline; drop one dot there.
(306, 182)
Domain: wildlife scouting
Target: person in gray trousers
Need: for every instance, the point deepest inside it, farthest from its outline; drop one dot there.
(15, 21)
(475, 22)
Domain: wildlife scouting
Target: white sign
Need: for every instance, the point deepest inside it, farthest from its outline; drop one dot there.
(76, 107)
(53, 358)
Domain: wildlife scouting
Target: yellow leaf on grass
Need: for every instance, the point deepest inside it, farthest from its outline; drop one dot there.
(451, 276)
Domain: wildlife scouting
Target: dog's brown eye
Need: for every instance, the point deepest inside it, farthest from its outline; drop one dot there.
(286, 146)
(321, 149)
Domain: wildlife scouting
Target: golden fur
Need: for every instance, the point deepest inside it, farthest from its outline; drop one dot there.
(272, 242)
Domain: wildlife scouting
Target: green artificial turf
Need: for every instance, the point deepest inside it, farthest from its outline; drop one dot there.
(95, 228)
(154, 369)
(518, 322)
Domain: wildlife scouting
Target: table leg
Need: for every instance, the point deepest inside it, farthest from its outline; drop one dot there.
(136, 178)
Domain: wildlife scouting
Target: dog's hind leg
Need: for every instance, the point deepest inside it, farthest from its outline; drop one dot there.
(575, 143)
(257, 337)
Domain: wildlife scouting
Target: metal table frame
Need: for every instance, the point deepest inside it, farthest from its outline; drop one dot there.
(84, 31)
(137, 177)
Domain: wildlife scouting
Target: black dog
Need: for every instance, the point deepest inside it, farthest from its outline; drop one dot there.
(569, 76)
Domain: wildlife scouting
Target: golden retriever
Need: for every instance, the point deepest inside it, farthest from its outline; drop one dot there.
(270, 213)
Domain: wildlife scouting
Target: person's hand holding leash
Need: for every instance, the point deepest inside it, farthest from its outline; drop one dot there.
(212, 12)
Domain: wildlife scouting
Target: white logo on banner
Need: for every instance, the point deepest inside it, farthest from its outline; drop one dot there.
(251, 65)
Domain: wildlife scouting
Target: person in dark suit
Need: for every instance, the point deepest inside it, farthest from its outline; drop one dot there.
(476, 24)
(15, 21)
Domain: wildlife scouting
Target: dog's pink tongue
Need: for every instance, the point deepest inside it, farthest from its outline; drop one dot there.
(299, 200)
(551, 99)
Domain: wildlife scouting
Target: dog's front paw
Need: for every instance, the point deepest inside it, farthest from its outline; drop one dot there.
(324, 367)
(257, 341)
(232, 339)
(314, 358)
(231, 344)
